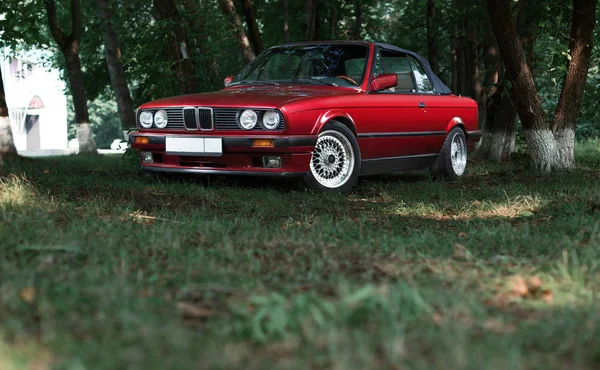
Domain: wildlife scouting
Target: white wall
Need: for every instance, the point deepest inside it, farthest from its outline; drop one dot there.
(46, 84)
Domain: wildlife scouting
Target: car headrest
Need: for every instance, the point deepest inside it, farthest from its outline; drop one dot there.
(405, 82)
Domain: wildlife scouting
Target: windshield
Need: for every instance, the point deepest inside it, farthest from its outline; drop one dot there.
(336, 65)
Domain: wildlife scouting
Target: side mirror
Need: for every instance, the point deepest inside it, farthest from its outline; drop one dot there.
(384, 81)
(227, 80)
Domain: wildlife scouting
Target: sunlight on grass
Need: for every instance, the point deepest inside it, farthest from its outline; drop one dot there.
(16, 190)
(24, 357)
(519, 206)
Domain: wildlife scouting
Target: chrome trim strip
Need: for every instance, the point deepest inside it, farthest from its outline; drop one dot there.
(401, 134)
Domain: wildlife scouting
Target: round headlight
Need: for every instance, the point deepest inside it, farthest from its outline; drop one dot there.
(161, 119)
(248, 119)
(270, 120)
(146, 119)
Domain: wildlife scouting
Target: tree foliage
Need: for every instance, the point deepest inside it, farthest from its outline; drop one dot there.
(458, 33)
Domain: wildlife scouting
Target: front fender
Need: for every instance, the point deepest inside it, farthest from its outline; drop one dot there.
(328, 116)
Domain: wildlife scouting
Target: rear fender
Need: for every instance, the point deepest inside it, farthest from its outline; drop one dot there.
(454, 122)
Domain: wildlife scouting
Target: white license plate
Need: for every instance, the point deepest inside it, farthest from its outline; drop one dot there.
(194, 146)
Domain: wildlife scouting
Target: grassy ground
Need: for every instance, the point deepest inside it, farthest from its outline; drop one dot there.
(102, 267)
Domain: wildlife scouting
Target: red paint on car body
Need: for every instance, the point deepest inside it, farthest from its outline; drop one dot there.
(387, 125)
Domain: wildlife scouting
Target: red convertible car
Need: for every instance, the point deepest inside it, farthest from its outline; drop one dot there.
(325, 111)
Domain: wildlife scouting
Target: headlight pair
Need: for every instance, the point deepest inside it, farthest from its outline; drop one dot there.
(270, 119)
(159, 119)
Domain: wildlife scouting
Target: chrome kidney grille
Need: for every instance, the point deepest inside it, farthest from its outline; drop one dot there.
(198, 119)
(207, 119)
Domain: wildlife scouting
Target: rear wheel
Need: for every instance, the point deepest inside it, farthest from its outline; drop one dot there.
(335, 161)
(452, 161)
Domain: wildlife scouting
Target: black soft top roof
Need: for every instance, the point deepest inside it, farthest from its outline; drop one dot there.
(438, 85)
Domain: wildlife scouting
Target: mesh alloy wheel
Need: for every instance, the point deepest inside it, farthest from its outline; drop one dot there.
(332, 161)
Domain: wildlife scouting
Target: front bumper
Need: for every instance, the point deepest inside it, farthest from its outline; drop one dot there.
(239, 156)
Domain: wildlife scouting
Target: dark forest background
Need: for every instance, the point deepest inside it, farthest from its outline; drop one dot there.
(130, 52)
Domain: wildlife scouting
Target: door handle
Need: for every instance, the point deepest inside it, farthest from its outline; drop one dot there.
(422, 105)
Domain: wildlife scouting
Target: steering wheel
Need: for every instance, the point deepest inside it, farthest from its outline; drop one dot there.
(349, 79)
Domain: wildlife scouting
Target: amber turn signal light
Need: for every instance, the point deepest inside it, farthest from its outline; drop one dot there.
(263, 142)
(141, 140)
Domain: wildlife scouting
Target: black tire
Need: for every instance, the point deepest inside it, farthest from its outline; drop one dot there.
(443, 169)
(337, 128)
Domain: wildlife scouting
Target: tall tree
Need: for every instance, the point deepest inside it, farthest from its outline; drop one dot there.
(199, 36)
(179, 50)
(500, 126)
(253, 31)
(310, 10)
(116, 71)
(358, 18)
(7, 145)
(286, 20)
(550, 145)
(69, 46)
(228, 8)
(432, 50)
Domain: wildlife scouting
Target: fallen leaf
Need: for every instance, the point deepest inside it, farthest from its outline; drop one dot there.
(387, 269)
(462, 235)
(461, 253)
(520, 287)
(534, 283)
(47, 171)
(27, 294)
(191, 310)
(499, 326)
(547, 295)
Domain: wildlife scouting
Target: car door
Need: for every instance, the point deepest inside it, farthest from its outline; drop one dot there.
(438, 112)
(397, 115)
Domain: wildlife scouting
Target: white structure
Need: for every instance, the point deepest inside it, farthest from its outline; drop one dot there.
(36, 101)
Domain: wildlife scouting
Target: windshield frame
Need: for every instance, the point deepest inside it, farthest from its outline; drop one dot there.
(250, 67)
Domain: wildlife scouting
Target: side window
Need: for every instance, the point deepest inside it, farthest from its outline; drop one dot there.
(424, 85)
(398, 64)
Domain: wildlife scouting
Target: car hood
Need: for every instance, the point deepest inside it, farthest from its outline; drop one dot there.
(265, 97)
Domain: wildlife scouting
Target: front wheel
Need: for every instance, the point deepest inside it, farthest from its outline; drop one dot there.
(452, 161)
(335, 161)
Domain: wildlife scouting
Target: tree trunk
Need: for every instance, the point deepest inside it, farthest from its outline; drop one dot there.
(195, 23)
(7, 145)
(529, 15)
(569, 103)
(499, 130)
(228, 8)
(356, 34)
(461, 70)
(286, 20)
(69, 45)
(552, 146)
(116, 71)
(454, 61)
(498, 140)
(310, 9)
(166, 11)
(539, 138)
(432, 51)
(333, 23)
(253, 30)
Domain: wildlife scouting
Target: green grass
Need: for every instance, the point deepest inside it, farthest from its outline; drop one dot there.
(102, 267)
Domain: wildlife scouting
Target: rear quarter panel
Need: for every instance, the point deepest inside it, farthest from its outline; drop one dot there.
(446, 112)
